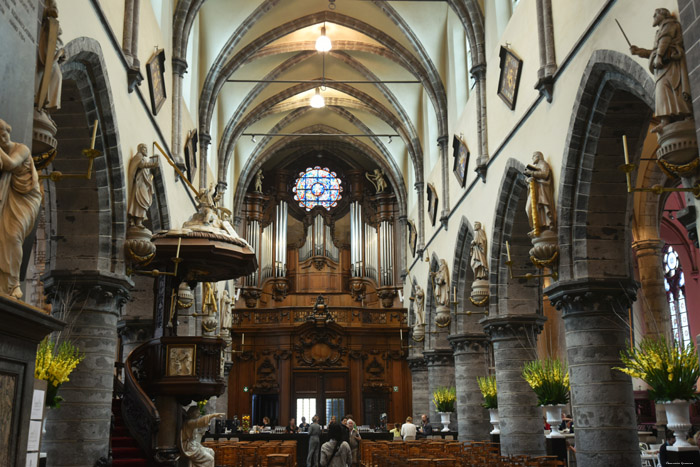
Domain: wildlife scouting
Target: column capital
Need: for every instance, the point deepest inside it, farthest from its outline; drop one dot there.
(221, 186)
(104, 291)
(513, 326)
(179, 66)
(468, 343)
(204, 139)
(442, 141)
(478, 71)
(592, 295)
(416, 364)
(438, 358)
(419, 187)
(654, 244)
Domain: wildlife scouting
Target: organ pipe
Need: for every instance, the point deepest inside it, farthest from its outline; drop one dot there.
(266, 252)
(253, 238)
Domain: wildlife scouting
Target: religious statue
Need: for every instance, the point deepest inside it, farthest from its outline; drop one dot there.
(377, 179)
(667, 63)
(441, 280)
(193, 428)
(225, 308)
(477, 253)
(209, 300)
(49, 79)
(140, 186)
(540, 196)
(258, 181)
(20, 199)
(419, 295)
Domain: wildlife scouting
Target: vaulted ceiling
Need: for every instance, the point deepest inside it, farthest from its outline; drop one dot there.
(383, 81)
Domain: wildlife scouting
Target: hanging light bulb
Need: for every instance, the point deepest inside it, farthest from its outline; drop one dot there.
(323, 43)
(317, 100)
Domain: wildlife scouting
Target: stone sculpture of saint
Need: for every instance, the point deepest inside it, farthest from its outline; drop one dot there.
(225, 309)
(540, 196)
(140, 186)
(667, 63)
(442, 284)
(193, 428)
(20, 199)
(51, 54)
(477, 253)
(420, 305)
(377, 179)
(258, 181)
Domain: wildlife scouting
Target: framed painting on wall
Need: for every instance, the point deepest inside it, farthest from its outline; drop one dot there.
(412, 237)
(461, 163)
(432, 203)
(509, 80)
(155, 69)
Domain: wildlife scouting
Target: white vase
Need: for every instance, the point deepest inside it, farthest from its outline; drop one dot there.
(445, 420)
(678, 416)
(554, 419)
(495, 421)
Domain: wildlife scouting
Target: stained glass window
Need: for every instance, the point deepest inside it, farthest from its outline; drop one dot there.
(674, 282)
(317, 187)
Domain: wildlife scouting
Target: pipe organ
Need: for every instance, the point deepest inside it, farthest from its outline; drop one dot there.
(386, 254)
(281, 221)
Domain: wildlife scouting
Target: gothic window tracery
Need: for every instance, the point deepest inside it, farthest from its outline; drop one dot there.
(317, 187)
(674, 282)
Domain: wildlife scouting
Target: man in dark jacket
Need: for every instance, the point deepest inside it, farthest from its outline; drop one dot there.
(425, 429)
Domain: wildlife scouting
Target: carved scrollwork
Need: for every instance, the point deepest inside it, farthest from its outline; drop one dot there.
(320, 347)
(266, 377)
(593, 296)
(417, 364)
(514, 327)
(375, 370)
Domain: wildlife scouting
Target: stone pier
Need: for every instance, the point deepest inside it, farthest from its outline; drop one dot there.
(514, 340)
(595, 314)
(419, 384)
(441, 373)
(470, 363)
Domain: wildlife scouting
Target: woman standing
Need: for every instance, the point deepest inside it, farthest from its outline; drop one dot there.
(335, 452)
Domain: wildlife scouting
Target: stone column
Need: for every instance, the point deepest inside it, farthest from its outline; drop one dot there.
(204, 142)
(595, 313)
(470, 363)
(445, 214)
(478, 71)
(651, 275)
(441, 373)
(514, 340)
(419, 186)
(548, 64)
(130, 42)
(179, 70)
(419, 384)
(90, 303)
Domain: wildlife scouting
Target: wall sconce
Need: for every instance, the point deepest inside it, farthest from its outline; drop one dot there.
(628, 168)
(554, 275)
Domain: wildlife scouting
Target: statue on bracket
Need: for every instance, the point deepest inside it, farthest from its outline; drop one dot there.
(678, 146)
(419, 303)
(667, 64)
(441, 282)
(480, 267)
(138, 247)
(541, 213)
(209, 309)
(377, 179)
(48, 83)
(20, 199)
(258, 181)
(225, 310)
(193, 428)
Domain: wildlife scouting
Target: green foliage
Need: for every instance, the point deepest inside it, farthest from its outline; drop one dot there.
(549, 379)
(672, 372)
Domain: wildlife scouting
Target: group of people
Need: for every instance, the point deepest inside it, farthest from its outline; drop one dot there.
(342, 447)
(409, 431)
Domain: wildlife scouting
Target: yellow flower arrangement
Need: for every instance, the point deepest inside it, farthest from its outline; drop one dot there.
(487, 385)
(444, 399)
(55, 365)
(202, 405)
(549, 379)
(672, 372)
(245, 423)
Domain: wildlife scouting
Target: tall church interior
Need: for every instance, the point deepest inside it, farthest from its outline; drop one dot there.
(286, 208)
